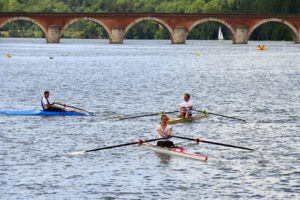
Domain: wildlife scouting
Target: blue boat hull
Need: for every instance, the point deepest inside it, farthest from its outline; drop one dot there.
(43, 113)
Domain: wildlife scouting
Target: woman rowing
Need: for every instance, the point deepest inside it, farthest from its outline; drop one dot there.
(186, 106)
(164, 130)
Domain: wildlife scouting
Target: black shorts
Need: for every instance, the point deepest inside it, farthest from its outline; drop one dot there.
(167, 143)
(184, 113)
(54, 109)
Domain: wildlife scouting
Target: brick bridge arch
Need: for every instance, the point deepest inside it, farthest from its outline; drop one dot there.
(12, 19)
(97, 21)
(229, 27)
(290, 27)
(159, 21)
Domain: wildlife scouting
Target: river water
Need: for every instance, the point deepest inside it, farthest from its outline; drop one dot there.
(146, 77)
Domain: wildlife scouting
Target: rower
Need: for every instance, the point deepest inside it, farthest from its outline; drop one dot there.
(46, 104)
(164, 130)
(186, 106)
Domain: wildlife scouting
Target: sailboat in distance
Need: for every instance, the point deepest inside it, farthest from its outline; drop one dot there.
(220, 35)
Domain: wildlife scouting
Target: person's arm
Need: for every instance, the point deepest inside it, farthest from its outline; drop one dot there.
(160, 133)
(46, 103)
(190, 107)
(169, 131)
(182, 107)
(49, 105)
(53, 106)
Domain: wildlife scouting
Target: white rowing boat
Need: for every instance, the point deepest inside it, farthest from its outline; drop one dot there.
(172, 151)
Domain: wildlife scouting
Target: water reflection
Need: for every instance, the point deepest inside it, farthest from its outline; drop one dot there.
(164, 158)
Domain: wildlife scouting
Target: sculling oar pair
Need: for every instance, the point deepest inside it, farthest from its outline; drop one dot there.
(151, 140)
(160, 113)
(146, 115)
(64, 105)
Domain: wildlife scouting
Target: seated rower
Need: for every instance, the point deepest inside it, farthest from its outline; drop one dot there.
(186, 106)
(46, 104)
(164, 130)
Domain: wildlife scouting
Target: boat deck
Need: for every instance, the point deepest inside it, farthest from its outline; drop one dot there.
(189, 119)
(173, 151)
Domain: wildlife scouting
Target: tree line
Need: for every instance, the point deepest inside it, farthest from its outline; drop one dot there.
(149, 29)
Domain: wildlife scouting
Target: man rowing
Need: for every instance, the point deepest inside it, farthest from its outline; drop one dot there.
(186, 106)
(164, 130)
(46, 105)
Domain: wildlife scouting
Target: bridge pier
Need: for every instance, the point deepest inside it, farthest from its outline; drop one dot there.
(116, 35)
(241, 35)
(298, 37)
(179, 35)
(53, 35)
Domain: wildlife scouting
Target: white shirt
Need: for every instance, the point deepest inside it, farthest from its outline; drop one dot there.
(45, 102)
(165, 132)
(186, 104)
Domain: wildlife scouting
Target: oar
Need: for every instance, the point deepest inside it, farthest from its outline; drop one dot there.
(206, 112)
(115, 146)
(209, 142)
(65, 109)
(146, 115)
(64, 105)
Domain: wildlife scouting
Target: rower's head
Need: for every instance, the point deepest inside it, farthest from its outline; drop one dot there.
(186, 97)
(46, 94)
(164, 119)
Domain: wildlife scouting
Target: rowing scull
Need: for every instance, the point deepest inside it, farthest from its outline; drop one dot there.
(188, 119)
(45, 113)
(172, 151)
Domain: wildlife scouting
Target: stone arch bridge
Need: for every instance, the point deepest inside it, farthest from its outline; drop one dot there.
(178, 25)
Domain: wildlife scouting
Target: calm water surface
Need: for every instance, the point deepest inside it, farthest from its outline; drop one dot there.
(145, 77)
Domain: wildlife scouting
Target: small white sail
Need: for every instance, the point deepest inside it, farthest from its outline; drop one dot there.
(220, 35)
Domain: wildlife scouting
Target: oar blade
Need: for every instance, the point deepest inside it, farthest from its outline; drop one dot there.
(77, 153)
(114, 119)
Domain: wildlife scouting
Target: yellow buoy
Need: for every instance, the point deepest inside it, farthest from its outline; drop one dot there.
(8, 55)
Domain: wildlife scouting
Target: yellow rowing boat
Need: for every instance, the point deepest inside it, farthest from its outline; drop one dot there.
(189, 119)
